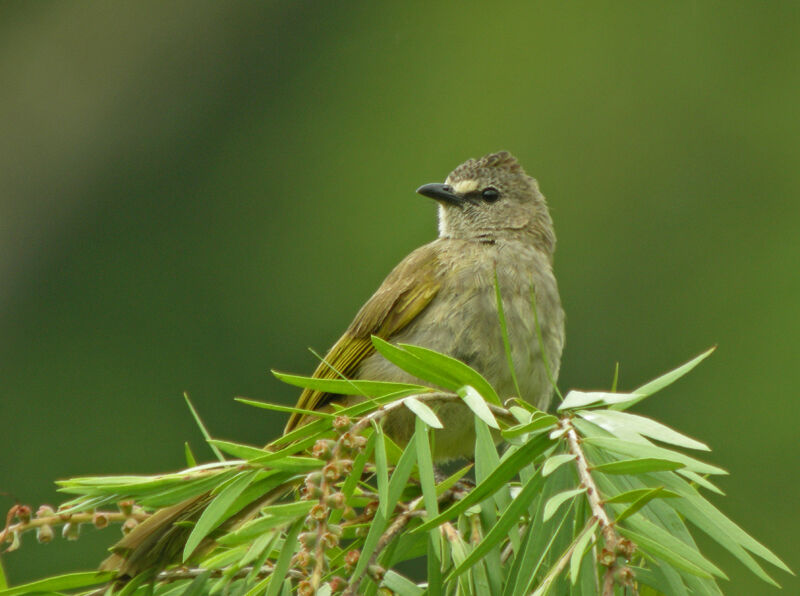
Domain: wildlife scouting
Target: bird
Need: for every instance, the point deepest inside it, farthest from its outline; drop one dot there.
(493, 220)
(495, 231)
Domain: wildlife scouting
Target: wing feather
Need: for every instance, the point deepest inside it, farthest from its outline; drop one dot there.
(407, 290)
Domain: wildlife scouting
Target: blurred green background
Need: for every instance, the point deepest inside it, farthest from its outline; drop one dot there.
(192, 193)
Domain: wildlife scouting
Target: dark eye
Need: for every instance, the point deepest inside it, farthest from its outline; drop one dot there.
(490, 194)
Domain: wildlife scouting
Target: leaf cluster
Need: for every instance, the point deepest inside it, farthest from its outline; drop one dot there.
(592, 500)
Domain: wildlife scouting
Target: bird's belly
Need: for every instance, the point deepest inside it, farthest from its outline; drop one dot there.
(466, 325)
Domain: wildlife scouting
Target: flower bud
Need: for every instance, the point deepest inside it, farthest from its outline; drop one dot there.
(337, 501)
(45, 534)
(341, 423)
(351, 558)
(71, 531)
(100, 520)
(45, 511)
(129, 525)
(23, 513)
(125, 507)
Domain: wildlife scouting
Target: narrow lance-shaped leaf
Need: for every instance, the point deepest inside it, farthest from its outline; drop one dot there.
(396, 485)
(213, 514)
(643, 500)
(508, 468)
(477, 404)
(414, 364)
(644, 450)
(638, 466)
(556, 501)
(60, 583)
(538, 423)
(580, 399)
(202, 426)
(612, 421)
(423, 411)
(657, 549)
(341, 387)
(659, 383)
(425, 468)
(187, 452)
(456, 369)
(284, 558)
(281, 408)
(381, 470)
(554, 462)
(509, 517)
(581, 544)
(400, 585)
(633, 495)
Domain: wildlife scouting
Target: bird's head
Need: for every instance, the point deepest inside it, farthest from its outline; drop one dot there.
(493, 198)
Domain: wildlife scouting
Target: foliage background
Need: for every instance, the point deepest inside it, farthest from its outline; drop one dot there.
(194, 192)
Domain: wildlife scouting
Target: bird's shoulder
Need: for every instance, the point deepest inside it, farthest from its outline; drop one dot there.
(405, 292)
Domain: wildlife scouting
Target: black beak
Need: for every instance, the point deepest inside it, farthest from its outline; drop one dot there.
(441, 192)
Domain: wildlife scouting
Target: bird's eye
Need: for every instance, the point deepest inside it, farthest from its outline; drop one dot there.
(490, 194)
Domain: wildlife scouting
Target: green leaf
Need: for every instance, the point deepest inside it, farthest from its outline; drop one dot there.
(451, 480)
(489, 572)
(719, 527)
(508, 468)
(645, 450)
(288, 510)
(556, 501)
(477, 404)
(643, 500)
(202, 426)
(280, 408)
(700, 481)
(632, 495)
(239, 450)
(414, 364)
(509, 517)
(187, 452)
(284, 558)
(538, 423)
(341, 387)
(581, 546)
(653, 579)
(637, 466)
(677, 553)
(456, 369)
(554, 462)
(425, 467)
(580, 399)
(423, 411)
(612, 421)
(198, 585)
(381, 470)
(400, 585)
(59, 583)
(487, 459)
(396, 485)
(214, 513)
(659, 383)
(551, 575)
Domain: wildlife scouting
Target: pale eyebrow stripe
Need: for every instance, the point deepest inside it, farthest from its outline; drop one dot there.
(465, 186)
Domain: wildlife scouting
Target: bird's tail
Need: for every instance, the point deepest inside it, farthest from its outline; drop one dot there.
(158, 541)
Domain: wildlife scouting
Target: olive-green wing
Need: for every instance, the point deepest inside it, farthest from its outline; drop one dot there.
(407, 290)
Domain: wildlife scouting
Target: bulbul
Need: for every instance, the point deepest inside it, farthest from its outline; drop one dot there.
(492, 220)
(493, 224)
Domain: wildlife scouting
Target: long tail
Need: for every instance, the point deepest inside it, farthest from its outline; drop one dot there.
(158, 541)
